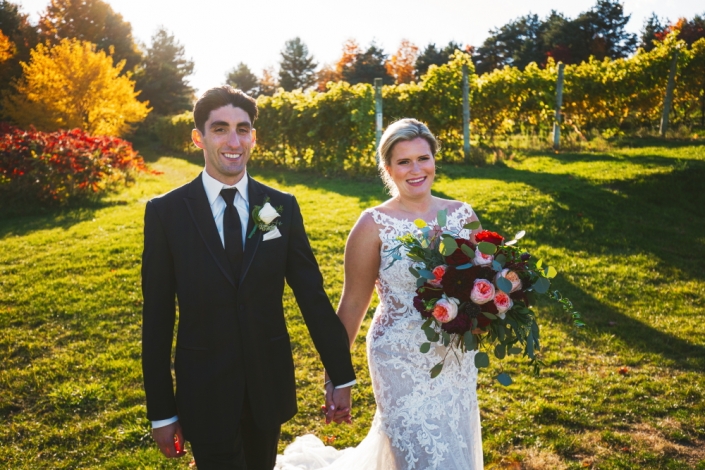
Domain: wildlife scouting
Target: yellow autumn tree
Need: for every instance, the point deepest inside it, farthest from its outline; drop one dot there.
(7, 48)
(73, 85)
(402, 64)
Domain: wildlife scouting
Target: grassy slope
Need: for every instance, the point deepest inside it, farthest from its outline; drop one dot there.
(625, 229)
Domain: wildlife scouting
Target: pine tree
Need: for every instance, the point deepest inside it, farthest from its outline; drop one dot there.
(242, 77)
(297, 68)
(434, 56)
(367, 66)
(162, 77)
(652, 30)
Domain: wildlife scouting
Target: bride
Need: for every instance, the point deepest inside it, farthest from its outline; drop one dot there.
(420, 423)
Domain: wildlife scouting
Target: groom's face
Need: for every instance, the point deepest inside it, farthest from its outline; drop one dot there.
(227, 143)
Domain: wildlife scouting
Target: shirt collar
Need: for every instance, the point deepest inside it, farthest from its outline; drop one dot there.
(213, 186)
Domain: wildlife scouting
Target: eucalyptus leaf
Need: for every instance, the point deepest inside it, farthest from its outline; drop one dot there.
(448, 246)
(436, 370)
(500, 351)
(425, 273)
(430, 334)
(530, 346)
(504, 284)
(514, 350)
(441, 217)
(539, 263)
(482, 360)
(425, 347)
(420, 223)
(446, 338)
(420, 282)
(510, 243)
(501, 332)
(550, 272)
(501, 259)
(520, 235)
(427, 323)
(496, 266)
(487, 248)
(504, 379)
(489, 315)
(464, 266)
(468, 251)
(541, 286)
(414, 272)
(470, 341)
(475, 224)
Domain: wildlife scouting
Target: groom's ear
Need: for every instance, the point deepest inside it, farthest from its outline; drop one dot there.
(254, 137)
(197, 138)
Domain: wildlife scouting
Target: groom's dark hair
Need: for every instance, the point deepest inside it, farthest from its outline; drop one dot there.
(218, 97)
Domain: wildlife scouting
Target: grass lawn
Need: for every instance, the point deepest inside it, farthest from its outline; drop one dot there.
(625, 228)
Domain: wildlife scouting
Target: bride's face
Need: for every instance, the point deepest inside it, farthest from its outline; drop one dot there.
(412, 167)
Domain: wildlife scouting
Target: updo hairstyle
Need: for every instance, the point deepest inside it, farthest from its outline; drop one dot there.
(402, 130)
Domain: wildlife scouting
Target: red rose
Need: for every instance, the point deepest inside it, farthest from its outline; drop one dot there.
(489, 237)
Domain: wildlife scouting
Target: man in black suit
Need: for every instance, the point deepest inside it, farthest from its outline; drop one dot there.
(223, 245)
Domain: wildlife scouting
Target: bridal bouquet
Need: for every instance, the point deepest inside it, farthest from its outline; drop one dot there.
(489, 286)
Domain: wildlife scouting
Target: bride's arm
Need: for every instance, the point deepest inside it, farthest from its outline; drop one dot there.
(362, 261)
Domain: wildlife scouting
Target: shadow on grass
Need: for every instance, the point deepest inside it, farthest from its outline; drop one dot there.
(18, 221)
(634, 334)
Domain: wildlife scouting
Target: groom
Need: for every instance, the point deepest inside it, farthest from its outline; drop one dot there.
(223, 245)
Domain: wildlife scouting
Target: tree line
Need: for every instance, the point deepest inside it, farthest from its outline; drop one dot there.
(139, 78)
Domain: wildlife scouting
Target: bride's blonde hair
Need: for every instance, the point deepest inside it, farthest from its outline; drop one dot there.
(401, 131)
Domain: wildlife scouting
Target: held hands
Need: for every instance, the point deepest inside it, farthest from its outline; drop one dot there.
(338, 404)
(170, 440)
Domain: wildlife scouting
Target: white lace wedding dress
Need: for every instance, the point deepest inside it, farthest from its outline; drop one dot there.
(420, 423)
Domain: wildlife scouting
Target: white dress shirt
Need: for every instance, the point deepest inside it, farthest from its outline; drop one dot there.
(218, 205)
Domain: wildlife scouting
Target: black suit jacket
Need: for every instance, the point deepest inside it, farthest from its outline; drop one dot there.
(232, 336)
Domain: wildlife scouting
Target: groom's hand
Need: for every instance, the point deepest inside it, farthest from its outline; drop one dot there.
(338, 404)
(170, 440)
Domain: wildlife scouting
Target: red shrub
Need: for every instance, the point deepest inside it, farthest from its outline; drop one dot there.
(63, 165)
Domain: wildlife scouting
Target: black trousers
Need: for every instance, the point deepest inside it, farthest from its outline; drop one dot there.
(251, 449)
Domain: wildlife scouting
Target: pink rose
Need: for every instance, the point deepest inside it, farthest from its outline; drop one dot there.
(445, 310)
(482, 259)
(503, 303)
(482, 291)
(512, 277)
(438, 271)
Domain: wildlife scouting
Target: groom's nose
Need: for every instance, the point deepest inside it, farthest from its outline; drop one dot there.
(234, 139)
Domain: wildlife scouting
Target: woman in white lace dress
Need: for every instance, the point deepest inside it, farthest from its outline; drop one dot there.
(420, 423)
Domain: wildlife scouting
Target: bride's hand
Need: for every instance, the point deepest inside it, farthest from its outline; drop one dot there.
(338, 404)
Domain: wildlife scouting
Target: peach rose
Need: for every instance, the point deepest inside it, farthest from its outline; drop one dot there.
(446, 309)
(438, 271)
(482, 259)
(482, 291)
(512, 277)
(503, 303)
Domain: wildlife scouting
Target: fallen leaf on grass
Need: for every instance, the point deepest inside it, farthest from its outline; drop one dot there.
(624, 370)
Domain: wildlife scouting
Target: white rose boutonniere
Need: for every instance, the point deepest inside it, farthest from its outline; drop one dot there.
(265, 218)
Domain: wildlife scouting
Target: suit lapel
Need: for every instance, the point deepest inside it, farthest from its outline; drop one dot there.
(255, 195)
(200, 210)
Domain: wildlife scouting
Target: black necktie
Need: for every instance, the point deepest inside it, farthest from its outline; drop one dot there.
(232, 231)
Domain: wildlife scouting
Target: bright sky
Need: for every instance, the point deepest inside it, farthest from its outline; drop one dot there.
(218, 34)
